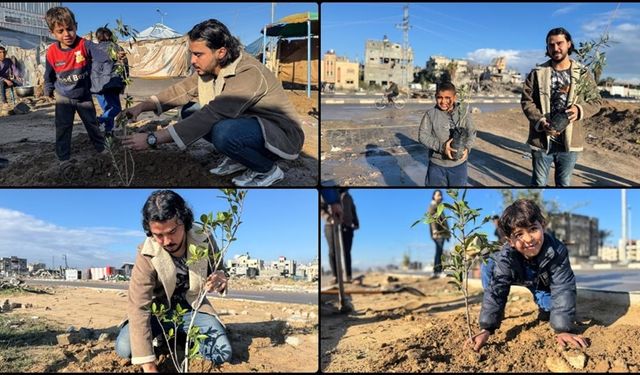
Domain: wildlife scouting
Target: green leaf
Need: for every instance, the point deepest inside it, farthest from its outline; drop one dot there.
(170, 334)
(154, 308)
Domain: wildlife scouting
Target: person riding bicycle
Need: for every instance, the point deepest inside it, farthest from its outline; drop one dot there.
(392, 91)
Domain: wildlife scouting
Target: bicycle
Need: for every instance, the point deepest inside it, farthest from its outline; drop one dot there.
(398, 102)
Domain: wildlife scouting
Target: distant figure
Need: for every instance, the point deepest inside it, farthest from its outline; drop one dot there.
(350, 223)
(537, 261)
(440, 233)
(392, 91)
(7, 75)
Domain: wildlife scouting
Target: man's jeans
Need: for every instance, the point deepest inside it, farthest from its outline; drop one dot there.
(66, 109)
(215, 347)
(542, 298)
(110, 104)
(437, 262)
(564, 162)
(3, 88)
(240, 139)
(438, 176)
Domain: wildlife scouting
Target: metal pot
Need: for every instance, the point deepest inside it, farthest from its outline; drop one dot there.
(24, 91)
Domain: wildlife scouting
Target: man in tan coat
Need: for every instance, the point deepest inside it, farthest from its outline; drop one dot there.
(235, 103)
(550, 89)
(162, 276)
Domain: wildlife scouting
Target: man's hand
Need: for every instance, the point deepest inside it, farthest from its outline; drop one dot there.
(149, 367)
(217, 281)
(133, 112)
(547, 128)
(136, 142)
(336, 213)
(573, 112)
(568, 338)
(8, 82)
(479, 340)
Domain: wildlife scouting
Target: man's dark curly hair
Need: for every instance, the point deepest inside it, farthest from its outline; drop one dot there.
(216, 35)
(164, 205)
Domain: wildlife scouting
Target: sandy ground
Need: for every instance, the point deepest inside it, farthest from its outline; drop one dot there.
(28, 142)
(264, 336)
(400, 332)
(499, 157)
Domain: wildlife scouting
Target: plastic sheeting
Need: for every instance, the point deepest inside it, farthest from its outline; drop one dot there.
(292, 64)
(161, 58)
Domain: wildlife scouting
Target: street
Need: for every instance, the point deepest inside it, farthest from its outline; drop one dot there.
(258, 295)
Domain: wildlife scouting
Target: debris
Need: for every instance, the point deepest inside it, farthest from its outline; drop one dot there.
(602, 366)
(67, 338)
(575, 358)
(21, 109)
(105, 336)
(619, 365)
(557, 364)
(293, 341)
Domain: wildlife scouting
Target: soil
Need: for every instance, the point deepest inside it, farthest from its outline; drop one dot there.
(499, 156)
(28, 142)
(264, 336)
(400, 332)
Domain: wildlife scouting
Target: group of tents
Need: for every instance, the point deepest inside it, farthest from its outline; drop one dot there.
(161, 52)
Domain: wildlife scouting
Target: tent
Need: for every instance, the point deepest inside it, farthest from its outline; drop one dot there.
(292, 32)
(158, 52)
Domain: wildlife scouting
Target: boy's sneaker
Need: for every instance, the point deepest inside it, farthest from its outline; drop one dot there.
(253, 178)
(227, 167)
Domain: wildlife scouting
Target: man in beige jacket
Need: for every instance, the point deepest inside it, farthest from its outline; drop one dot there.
(550, 89)
(235, 103)
(162, 276)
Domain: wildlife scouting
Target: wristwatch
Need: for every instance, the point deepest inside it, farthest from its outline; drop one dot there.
(152, 141)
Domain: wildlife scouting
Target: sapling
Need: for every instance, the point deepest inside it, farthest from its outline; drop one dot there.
(125, 167)
(222, 226)
(470, 245)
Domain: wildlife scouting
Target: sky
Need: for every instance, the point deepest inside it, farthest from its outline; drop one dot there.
(481, 31)
(386, 216)
(244, 20)
(103, 227)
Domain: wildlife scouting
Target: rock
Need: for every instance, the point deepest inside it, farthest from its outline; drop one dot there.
(620, 365)
(475, 110)
(27, 305)
(47, 308)
(269, 316)
(16, 305)
(85, 333)
(6, 306)
(70, 329)
(557, 364)
(602, 366)
(576, 359)
(292, 340)
(392, 279)
(35, 317)
(244, 312)
(67, 338)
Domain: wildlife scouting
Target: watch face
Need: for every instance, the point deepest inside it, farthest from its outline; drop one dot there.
(151, 139)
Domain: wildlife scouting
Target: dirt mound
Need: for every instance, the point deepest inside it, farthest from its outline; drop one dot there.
(616, 127)
(400, 332)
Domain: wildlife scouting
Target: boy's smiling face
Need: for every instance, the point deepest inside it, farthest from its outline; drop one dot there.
(445, 99)
(528, 240)
(65, 34)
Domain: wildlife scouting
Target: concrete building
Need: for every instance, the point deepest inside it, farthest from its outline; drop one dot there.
(126, 269)
(340, 72)
(578, 232)
(13, 266)
(608, 254)
(383, 62)
(308, 271)
(34, 267)
(241, 265)
(284, 266)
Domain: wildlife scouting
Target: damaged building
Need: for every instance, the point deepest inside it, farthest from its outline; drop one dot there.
(383, 62)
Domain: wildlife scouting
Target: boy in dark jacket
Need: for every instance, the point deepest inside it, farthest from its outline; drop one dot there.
(68, 71)
(539, 262)
(107, 83)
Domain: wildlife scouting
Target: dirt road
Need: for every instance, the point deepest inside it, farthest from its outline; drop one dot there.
(384, 150)
(28, 143)
(404, 333)
(264, 336)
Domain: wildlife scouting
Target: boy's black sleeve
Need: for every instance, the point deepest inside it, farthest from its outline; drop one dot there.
(563, 292)
(49, 78)
(496, 293)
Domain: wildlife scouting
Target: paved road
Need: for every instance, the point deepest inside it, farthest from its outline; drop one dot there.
(622, 280)
(258, 295)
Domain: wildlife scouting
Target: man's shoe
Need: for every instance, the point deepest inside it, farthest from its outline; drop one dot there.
(253, 178)
(227, 167)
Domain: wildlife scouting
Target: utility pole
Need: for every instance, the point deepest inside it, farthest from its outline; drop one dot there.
(623, 242)
(404, 26)
(66, 266)
(52, 263)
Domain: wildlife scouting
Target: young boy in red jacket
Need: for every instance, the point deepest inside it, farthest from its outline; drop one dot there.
(68, 71)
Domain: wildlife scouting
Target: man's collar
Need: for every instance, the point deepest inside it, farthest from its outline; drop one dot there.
(230, 69)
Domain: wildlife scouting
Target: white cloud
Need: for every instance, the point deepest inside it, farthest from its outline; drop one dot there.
(565, 10)
(25, 236)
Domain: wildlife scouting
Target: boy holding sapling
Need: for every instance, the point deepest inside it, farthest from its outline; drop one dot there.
(536, 260)
(447, 131)
(68, 68)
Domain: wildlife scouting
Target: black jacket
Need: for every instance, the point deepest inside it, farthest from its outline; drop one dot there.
(554, 275)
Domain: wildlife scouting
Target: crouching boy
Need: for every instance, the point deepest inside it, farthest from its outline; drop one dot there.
(536, 260)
